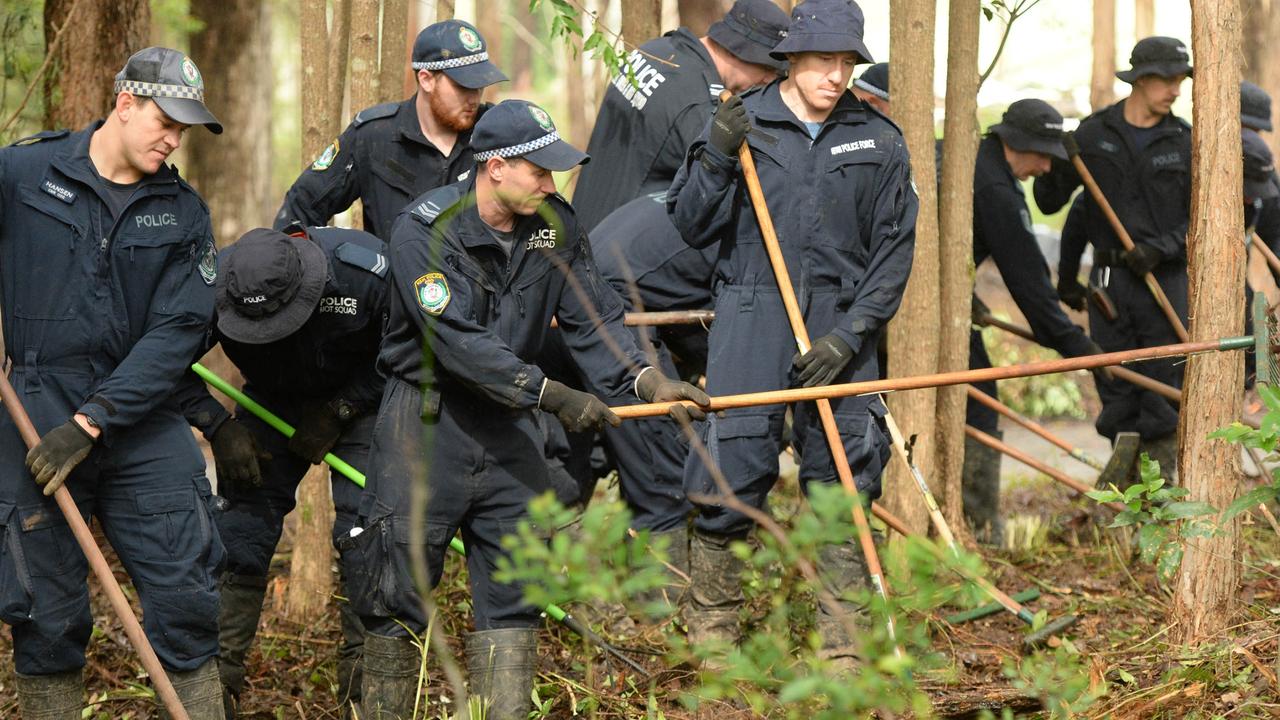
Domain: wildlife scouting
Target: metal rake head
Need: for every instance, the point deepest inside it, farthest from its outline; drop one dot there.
(1265, 333)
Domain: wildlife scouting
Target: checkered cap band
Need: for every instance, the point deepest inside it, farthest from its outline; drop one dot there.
(452, 62)
(863, 85)
(159, 90)
(518, 150)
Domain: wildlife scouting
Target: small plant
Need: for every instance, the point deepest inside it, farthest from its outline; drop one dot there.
(1265, 439)
(1039, 395)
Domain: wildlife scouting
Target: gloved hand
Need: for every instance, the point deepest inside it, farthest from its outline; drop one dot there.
(236, 455)
(1072, 293)
(57, 454)
(1142, 259)
(316, 433)
(577, 411)
(1101, 375)
(653, 386)
(823, 362)
(729, 126)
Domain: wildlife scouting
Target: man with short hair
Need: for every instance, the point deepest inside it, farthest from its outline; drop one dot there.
(837, 180)
(394, 152)
(301, 316)
(107, 265)
(1140, 154)
(479, 269)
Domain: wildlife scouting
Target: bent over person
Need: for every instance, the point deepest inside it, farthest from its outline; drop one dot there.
(479, 269)
(107, 266)
(836, 178)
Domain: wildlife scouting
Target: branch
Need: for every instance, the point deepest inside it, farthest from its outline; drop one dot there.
(49, 54)
(1022, 8)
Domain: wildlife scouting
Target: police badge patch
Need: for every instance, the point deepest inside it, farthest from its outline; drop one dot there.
(432, 291)
(190, 75)
(209, 264)
(541, 117)
(326, 158)
(469, 39)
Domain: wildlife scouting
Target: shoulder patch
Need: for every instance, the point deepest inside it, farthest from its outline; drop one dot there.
(432, 292)
(363, 258)
(430, 206)
(41, 137)
(327, 157)
(209, 263)
(376, 112)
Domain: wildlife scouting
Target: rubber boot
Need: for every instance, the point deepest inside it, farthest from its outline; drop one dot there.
(240, 603)
(1121, 467)
(980, 491)
(843, 569)
(500, 664)
(672, 594)
(715, 590)
(390, 678)
(1164, 451)
(350, 658)
(51, 697)
(199, 690)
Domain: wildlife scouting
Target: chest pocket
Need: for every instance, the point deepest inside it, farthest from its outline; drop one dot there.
(846, 203)
(480, 307)
(55, 253)
(145, 240)
(394, 173)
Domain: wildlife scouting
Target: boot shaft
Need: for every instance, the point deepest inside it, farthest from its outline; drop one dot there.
(501, 665)
(51, 697)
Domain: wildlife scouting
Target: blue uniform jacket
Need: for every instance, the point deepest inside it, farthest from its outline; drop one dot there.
(332, 356)
(843, 205)
(485, 316)
(118, 308)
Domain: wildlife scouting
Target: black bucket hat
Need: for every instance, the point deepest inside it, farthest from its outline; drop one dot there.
(1032, 126)
(875, 80)
(1255, 107)
(170, 79)
(825, 26)
(518, 128)
(269, 286)
(457, 49)
(750, 30)
(1163, 56)
(1259, 168)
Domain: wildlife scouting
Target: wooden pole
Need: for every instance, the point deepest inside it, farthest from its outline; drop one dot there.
(1033, 463)
(980, 397)
(1273, 262)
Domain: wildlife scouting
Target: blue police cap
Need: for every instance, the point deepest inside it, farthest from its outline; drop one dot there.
(1032, 126)
(750, 30)
(456, 48)
(170, 79)
(1255, 107)
(875, 80)
(825, 26)
(1157, 55)
(518, 128)
(1259, 169)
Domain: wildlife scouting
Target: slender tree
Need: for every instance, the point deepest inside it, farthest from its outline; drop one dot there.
(1207, 582)
(394, 65)
(78, 88)
(698, 15)
(444, 9)
(1144, 19)
(641, 20)
(1254, 39)
(1102, 86)
(365, 82)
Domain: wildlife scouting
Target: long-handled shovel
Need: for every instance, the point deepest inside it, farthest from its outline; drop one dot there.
(801, 333)
(980, 397)
(664, 317)
(132, 629)
(1157, 292)
(555, 612)
(1029, 461)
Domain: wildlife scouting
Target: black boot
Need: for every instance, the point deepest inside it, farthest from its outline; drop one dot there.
(51, 697)
(843, 569)
(240, 599)
(501, 665)
(715, 590)
(980, 490)
(1122, 467)
(390, 678)
(350, 658)
(672, 594)
(199, 690)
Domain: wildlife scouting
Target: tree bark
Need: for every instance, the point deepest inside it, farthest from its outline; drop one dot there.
(1207, 582)
(489, 17)
(578, 121)
(365, 80)
(698, 15)
(339, 49)
(78, 87)
(521, 51)
(955, 201)
(311, 565)
(1102, 87)
(641, 21)
(444, 9)
(914, 332)
(394, 65)
(1144, 19)
(1254, 38)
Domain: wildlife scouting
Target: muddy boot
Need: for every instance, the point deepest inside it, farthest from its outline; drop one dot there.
(199, 690)
(390, 678)
(980, 490)
(350, 658)
(51, 697)
(1164, 451)
(843, 569)
(240, 603)
(500, 664)
(715, 590)
(672, 594)
(1122, 465)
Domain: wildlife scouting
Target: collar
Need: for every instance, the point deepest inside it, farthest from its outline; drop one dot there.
(991, 151)
(410, 129)
(772, 108)
(73, 161)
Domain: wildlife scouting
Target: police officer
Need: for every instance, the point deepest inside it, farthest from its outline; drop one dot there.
(394, 152)
(835, 175)
(1140, 154)
(301, 316)
(643, 130)
(479, 269)
(872, 87)
(107, 265)
(1021, 145)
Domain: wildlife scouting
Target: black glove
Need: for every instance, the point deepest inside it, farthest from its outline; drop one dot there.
(316, 433)
(236, 456)
(823, 362)
(653, 386)
(577, 411)
(58, 453)
(729, 126)
(1072, 293)
(1101, 375)
(1142, 259)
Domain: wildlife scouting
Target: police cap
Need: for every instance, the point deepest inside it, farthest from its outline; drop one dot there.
(269, 285)
(456, 48)
(875, 80)
(825, 26)
(518, 128)
(1259, 170)
(1163, 56)
(1255, 107)
(750, 30)
(1032, 126)
(170, 79)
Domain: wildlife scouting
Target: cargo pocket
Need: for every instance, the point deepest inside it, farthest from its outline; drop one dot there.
(46, 539)
(163, 516)
(741, 447)
(370, 568)
(15, 583)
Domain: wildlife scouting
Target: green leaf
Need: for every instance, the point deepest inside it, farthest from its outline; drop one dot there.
(1104, 496)
(1253, 498)
(1133, 492)
(1183, 510)
(801, 689)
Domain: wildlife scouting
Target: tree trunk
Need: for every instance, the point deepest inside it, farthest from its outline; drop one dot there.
(578, 120)
(955, 201)
(444, 9)
(489, 17)
(364, 82)
(1254, 41)
(698, 15)
(521, 50)
(641, 21)
(311, 566)
(394, 65)
(1102, 87)
(316, 132)
(1208, 579)
(914, 332)
(1269, 73)
(1144, 19)
(339, 48)
(232, 171)
(105, 33)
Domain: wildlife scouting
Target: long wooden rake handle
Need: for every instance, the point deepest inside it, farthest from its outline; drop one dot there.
(984, 399)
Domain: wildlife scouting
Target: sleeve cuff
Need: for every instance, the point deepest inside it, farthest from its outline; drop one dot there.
(853, 340)
(635, 385)
(716, 161)
(97, 414)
